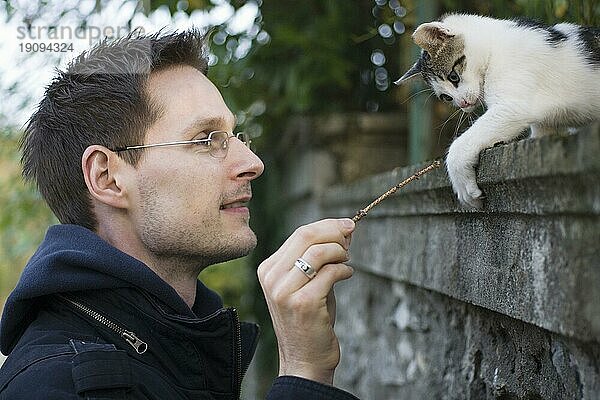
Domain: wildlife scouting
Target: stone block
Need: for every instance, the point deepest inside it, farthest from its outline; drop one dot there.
(400, 341)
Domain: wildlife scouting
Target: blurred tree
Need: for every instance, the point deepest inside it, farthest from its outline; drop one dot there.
(23, 215)
(583, 12)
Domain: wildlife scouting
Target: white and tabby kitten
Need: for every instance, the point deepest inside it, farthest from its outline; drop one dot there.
(527, 75)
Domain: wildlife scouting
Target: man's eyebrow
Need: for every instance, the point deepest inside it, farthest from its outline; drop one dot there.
(203, 123)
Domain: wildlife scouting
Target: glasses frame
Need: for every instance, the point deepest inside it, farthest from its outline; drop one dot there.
(241, 136)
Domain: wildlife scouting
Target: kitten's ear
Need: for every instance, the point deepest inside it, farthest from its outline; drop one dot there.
(431, 36)
(412, 72)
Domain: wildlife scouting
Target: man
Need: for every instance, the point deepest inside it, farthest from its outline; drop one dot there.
(132, 149)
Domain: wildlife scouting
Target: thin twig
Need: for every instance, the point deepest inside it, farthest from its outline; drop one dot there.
(415, 176)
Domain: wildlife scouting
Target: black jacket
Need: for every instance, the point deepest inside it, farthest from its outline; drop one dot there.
(87, 321)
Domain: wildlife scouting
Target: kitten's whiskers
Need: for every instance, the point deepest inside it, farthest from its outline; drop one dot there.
(443, 125)
(460, 119)
(479, 98)
(418, 93)
(472, 120)
(428, 97)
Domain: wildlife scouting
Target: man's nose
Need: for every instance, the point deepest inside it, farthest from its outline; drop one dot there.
(246, 163)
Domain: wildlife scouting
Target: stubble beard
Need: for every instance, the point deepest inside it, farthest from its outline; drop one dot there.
(193, 243)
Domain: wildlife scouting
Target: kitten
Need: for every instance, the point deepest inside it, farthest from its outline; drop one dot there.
(525, 73)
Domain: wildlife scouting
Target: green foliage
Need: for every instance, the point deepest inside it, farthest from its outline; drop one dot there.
(24, 216)
(313, 58)
(583, 12)
(230, 280)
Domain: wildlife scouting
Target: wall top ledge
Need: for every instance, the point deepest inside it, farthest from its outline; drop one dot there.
(554, 174)
(533, 253)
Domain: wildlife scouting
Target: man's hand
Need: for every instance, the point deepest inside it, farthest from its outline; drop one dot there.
(303, 309)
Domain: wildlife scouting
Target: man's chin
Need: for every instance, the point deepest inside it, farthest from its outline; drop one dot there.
(244, 241)
(251, 242)
(242, 250)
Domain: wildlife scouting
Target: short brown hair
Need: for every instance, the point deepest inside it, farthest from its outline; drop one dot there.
(99, 99)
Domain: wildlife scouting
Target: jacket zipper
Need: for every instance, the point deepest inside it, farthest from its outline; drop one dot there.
(237, 339)
(139, 345)
(238, 343)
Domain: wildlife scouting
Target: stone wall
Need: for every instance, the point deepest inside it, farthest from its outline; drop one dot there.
(445, 303)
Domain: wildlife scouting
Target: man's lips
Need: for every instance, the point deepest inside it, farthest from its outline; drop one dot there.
(237, 203)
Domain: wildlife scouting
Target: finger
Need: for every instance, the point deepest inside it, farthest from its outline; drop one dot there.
(320, 254)
(349, 240)
(328, 276)
(316, 256)
(328, 230)
(324, 231)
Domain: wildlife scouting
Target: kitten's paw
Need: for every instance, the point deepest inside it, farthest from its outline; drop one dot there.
(461, 171)
(468, 193)
(473, 198)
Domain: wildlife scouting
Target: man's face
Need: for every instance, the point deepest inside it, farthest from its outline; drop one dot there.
(184, 198)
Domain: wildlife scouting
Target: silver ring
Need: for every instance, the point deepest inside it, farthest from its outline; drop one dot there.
(305, 267)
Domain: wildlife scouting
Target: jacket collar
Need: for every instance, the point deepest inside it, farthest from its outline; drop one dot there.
(72, 259)
(213, 350)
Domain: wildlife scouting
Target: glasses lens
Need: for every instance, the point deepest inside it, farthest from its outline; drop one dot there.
(244, 138)
(218, 144)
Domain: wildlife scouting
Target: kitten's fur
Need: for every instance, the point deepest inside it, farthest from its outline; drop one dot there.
(526, 74)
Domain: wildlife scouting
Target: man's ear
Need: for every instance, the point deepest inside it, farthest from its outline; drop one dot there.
(432, 36)
(101, 173)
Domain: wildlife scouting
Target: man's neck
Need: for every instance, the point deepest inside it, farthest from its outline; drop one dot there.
(180, 274)
(185, 284)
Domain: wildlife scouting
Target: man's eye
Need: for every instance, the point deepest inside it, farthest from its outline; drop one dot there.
(202, 136)
(201, 141)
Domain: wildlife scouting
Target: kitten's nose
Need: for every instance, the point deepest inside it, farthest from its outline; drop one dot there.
(462, 103)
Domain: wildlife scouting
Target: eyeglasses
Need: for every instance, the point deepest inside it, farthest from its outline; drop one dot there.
(216, 144)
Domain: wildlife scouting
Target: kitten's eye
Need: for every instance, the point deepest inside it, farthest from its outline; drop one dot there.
(445, 97)
(453, 77)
